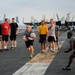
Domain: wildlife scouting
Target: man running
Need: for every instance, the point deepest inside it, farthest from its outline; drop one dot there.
(43, 35)
(29, 40)
(72, 47)
(14, 32)
(5, 33)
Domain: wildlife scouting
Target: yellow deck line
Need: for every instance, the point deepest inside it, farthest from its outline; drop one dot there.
(44, 57)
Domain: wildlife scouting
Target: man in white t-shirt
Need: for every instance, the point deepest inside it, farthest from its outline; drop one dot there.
(51, 35)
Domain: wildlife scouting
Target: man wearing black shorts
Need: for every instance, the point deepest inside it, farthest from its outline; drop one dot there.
(51, 35)
(72, 47)
(14, 32)
(43, 35)
(29, 40)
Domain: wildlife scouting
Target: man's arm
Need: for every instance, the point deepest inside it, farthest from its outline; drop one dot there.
(9, 30)
(30, 38)
(46, 33)
(24, 38)
(17, 30)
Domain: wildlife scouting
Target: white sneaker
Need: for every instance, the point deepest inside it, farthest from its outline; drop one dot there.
(42, 51)
(53, 50)
(31, 56)
(45, 51)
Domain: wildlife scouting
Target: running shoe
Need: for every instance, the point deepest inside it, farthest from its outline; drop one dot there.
(31, 56)
(6, 49)
(42, 51)
(66, 68)
(45, 51)
(53, 50)
(11, 47)
(33, 52)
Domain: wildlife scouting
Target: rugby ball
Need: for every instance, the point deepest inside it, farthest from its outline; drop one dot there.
(33, 35)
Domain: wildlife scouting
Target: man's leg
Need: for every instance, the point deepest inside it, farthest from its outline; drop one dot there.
(12, 45)
(70, 59)
(42, 47)
(5, 41)
(31, 51)
(45, 46)
(5, 44)
(53, 46)
(57, 42)
(15, 42)
(69, 62)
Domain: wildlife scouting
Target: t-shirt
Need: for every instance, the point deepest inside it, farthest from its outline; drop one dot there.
(27, 34)
(49, 26)
(5, 28)
(14, 27)
(56, 30)
(53, 31)
(42, 29)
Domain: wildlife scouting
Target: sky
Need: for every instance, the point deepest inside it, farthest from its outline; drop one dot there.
(36, 9)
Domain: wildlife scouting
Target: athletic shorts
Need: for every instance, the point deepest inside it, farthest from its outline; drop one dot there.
(5, 37)
(42, 38)
(56, 39)
(51, 39)
(29, 43)
(13, 37)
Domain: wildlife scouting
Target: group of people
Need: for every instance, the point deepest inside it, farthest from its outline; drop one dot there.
(45, 32)
(8, 29)
(49, 32)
